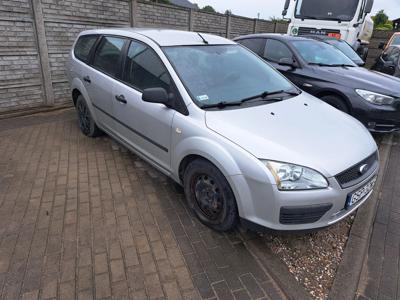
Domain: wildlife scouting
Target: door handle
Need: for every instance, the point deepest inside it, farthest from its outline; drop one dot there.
(87, 79)
(121, 98)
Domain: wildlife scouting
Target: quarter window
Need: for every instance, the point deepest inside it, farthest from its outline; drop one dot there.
(144, 69)
(276, 50)
(108, 53)
(255, 45)
(83, 47)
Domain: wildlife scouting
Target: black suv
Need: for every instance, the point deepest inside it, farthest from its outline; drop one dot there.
(325, 72)
(389, 61)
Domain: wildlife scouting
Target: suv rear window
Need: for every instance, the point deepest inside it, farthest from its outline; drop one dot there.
(83, 46)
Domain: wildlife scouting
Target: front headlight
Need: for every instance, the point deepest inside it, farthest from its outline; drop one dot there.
(293, 177)
(375, 98)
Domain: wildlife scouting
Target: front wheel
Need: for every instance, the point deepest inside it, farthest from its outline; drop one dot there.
(336, 102)
(209, 196)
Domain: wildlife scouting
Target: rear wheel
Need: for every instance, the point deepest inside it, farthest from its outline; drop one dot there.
(336, 102)
(86, 123)
(209, 196)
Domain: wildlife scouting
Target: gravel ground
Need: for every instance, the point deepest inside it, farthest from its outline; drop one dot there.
(313, 258)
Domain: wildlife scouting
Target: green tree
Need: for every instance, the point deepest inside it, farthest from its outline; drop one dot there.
(209, 8)
(381, 18)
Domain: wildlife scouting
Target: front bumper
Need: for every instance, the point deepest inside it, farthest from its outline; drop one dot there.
(262, 204)
(379, 118)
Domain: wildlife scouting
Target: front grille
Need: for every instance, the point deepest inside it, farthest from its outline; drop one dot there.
(292, 215)
(353, 175)
(315, 31)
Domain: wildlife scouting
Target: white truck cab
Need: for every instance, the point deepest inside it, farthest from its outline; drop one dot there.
(348, 20)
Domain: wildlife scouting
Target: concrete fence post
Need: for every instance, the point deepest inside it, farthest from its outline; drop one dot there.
(275, 27)
(191, 19)
(43, 51)
(133, 6)
(255, 29)
(228, 25)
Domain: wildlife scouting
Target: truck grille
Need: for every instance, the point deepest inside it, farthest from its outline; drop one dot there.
(315, 31)
(353, 175)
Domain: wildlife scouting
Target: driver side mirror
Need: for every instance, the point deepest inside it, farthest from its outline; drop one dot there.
(286, 7)
(382, 45)
(157, 95)
(368, 6)
(288, 62)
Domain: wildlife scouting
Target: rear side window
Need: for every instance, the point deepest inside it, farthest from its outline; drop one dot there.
(276, 50)
(394, 56)
(396, 40)
(255, 45)
(83, 47)
(144, 69)
(108, 55)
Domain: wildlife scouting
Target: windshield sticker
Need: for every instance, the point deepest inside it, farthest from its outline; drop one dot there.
(202, 98)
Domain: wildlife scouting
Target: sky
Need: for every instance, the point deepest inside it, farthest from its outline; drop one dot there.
(270, 8)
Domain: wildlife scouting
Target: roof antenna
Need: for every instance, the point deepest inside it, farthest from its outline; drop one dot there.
(204, 40)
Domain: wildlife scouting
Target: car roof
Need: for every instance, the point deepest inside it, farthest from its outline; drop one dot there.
(164, 37)
(278, 36)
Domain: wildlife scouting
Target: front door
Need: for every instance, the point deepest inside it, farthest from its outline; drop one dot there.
(146, 127)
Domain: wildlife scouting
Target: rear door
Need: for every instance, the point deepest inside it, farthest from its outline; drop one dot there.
(101, 78)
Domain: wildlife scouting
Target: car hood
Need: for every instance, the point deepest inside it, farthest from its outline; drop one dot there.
(302, 130)
(361, 78)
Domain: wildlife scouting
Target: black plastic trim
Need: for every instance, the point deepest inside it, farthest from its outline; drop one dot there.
(294, 215)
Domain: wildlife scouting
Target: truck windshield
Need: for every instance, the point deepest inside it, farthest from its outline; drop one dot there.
(343, 10)
(224, 74)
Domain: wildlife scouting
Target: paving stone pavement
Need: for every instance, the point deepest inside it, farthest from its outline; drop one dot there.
(83, 218)
(381, 276)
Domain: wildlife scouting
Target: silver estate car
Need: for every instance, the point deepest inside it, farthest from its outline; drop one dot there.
(243, 141)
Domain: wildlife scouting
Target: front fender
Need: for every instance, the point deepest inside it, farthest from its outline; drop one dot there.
(210, 150)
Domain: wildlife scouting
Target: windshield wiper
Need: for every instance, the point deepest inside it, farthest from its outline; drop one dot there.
(330, 65)
(263, 97)
(308, 17)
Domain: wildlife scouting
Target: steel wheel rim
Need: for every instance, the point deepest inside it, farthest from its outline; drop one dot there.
(208, 196)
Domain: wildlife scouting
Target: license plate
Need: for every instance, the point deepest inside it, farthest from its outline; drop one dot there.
(360, 194)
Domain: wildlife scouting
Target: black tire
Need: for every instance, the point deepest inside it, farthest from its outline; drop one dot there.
(86, 123)
(209, 196)
(336, 102)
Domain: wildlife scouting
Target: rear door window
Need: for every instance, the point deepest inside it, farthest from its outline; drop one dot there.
(255, 45)
(83, 47)
(276, 50)
(107, 57)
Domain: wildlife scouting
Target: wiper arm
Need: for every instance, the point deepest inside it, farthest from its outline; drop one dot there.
(308, 17)
(264, 95)
(221, 105)
(330, 65)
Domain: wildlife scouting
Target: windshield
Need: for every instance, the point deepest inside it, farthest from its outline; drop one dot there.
(345, 48)
(224, 73)
(343, 10)
(314, 52)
